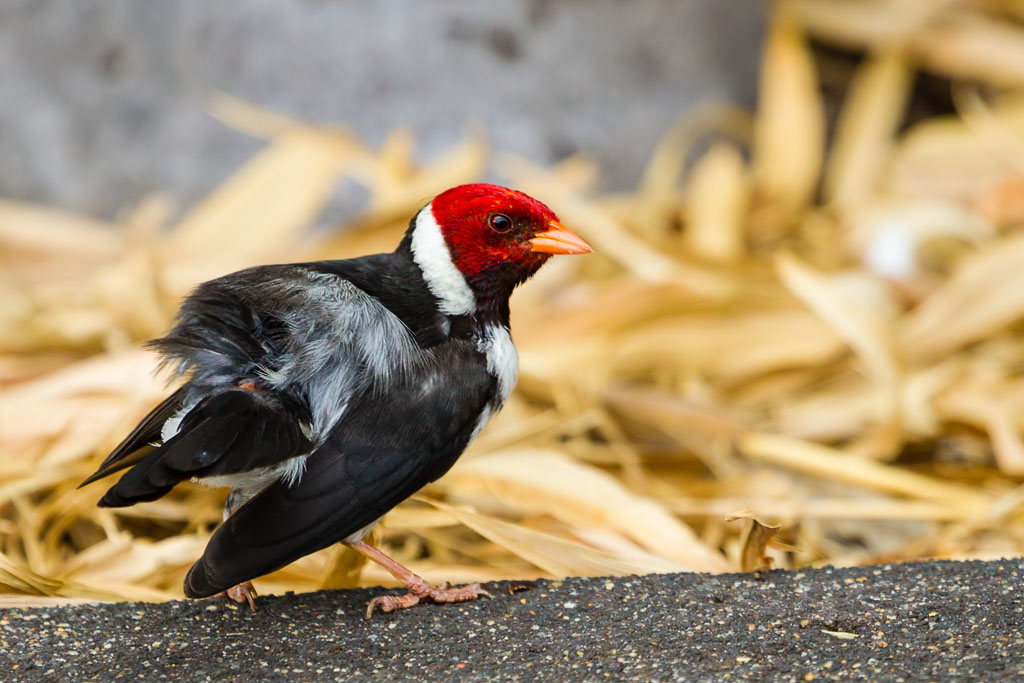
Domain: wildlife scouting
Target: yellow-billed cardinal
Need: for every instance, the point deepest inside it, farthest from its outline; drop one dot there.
(324, 394)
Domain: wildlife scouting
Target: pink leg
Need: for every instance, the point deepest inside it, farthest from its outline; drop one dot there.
(419, 589)
(243, 592)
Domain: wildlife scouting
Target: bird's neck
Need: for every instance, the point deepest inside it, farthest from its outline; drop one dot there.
(483, 299)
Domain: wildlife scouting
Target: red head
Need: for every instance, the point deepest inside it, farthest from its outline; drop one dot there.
(488, 227)
(475, 243)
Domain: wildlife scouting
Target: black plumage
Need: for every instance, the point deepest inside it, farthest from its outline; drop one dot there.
(384, 448)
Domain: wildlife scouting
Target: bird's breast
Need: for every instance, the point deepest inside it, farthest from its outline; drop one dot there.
(502, 360)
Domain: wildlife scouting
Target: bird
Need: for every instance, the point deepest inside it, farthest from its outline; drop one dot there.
(323, 394)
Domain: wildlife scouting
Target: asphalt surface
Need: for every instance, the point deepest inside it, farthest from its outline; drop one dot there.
(919, 621)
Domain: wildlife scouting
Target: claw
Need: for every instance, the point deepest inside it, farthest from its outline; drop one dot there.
(425, 592)
(419, 590)
(243, 593)
(389, 603)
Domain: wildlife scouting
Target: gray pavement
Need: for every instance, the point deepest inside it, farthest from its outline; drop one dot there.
(918, 621)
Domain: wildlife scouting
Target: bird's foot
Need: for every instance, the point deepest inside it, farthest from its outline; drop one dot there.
(243, 593)
(420, 591)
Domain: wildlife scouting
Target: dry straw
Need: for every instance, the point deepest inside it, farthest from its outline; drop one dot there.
(822, 344)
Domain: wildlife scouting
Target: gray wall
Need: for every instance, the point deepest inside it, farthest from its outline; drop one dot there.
(101, 102)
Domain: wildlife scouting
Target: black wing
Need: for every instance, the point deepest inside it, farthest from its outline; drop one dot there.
(384, 449)
(139, 442)
(233, 431)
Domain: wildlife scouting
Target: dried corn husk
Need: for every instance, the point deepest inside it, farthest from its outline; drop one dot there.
(848, 366)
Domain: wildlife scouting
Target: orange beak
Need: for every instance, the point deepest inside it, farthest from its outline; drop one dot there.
(558, 239)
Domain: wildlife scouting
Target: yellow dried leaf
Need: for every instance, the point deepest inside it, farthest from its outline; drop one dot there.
(755, 541)
(830, 463)
(943, 158)
(994, 408)
(716, 205)
(733, 347)
(789, 132)
(556, 556)
(865, 332)
(581, 495)
(48, 231)
(985, 294)
(408, 518)
(654, 207)
(464, 163)
(23, 580)
(266, 204)
(870, 117)
(669, 158)
(974, 46)
(867, 508)
(1006, 441)
(343, 569)
(941, 35)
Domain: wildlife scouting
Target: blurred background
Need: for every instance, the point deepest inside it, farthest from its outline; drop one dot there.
(799, 341)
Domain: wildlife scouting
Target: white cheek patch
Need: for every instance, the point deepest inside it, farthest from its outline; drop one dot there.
(445, 280)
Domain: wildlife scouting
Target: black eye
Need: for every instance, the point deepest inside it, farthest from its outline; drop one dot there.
(499, 222)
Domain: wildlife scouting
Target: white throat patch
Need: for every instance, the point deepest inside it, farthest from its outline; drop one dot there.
(502, 359)
(431, 254)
